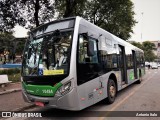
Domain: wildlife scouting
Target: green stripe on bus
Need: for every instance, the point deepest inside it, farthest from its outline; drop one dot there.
(41, 90)
(131, 75)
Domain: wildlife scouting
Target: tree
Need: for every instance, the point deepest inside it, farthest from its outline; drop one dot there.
(18, 45)
(149, 56)
(5, 40)
(148, 53)
(148, 48)
(69, 8)
(111, 15)
(137, 44)
(28, 13)
(8, 16)
(11, 44)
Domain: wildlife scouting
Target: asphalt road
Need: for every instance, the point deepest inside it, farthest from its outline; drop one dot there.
(137, 97)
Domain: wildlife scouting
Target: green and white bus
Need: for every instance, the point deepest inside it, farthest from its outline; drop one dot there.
(72, 64)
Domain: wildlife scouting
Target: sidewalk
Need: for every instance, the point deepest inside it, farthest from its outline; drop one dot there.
(10, 87)
(11, 98)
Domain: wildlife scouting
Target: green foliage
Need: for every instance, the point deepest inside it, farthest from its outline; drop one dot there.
(68, 8)
(28, 13)
(111, 15)
(10, 71)
(11, 44)
(18, 45)
(137, 44)
(8, 15)
(14, 77)
(37, 11)
(5, 40)
(147, 47)
(149, 56)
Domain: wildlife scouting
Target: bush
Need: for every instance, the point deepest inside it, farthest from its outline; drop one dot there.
(10, 71)
(14, 77)
(14, 74)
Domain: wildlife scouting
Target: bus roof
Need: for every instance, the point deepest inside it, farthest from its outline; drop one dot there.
(52, 22)
(119, 40)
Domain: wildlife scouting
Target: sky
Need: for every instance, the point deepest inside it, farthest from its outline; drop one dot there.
(148, 18)
(146, 14)
(20, 31)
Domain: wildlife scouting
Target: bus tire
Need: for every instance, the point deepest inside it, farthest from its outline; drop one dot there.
(111, 90)
(140, 79)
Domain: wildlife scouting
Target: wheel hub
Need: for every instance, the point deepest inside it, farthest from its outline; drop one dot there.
(112, 91)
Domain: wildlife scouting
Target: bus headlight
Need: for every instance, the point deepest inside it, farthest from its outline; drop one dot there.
(65, 88)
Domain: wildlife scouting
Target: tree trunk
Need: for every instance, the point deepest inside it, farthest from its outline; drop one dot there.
(70, 5)
(37, 7)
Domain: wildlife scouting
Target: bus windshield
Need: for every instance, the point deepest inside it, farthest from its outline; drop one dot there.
(48, 55)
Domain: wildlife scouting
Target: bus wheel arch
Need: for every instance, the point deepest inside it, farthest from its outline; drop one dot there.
(111, 89)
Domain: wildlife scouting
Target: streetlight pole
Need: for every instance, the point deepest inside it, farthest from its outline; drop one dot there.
(141, 26)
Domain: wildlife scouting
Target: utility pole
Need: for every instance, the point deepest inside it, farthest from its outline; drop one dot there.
(142, 27)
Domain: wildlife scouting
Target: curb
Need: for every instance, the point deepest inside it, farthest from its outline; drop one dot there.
(10, 91)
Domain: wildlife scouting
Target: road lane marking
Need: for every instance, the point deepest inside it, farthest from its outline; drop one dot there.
(127, 97)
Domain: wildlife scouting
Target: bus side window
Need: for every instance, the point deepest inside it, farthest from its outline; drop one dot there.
(87, 65)
(83, 57)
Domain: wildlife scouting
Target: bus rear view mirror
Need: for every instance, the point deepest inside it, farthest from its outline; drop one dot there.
(90, 48)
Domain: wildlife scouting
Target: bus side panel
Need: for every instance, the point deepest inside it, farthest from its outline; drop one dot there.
(95, 90)
(69, 101)
(88, 93)
(119, 80)
(130, 75)
(83, 97)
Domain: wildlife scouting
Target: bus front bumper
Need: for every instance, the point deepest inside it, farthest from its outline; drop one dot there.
(68, 101)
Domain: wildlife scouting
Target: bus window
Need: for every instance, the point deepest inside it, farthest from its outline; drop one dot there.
(50, 54)
(83, 57)
(87, 66)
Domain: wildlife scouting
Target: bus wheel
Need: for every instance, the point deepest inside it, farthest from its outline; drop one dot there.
(111, 90)
(140, 79)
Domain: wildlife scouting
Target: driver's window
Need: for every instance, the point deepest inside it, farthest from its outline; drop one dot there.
(82, 49)
(87, 66)
(83, 57)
